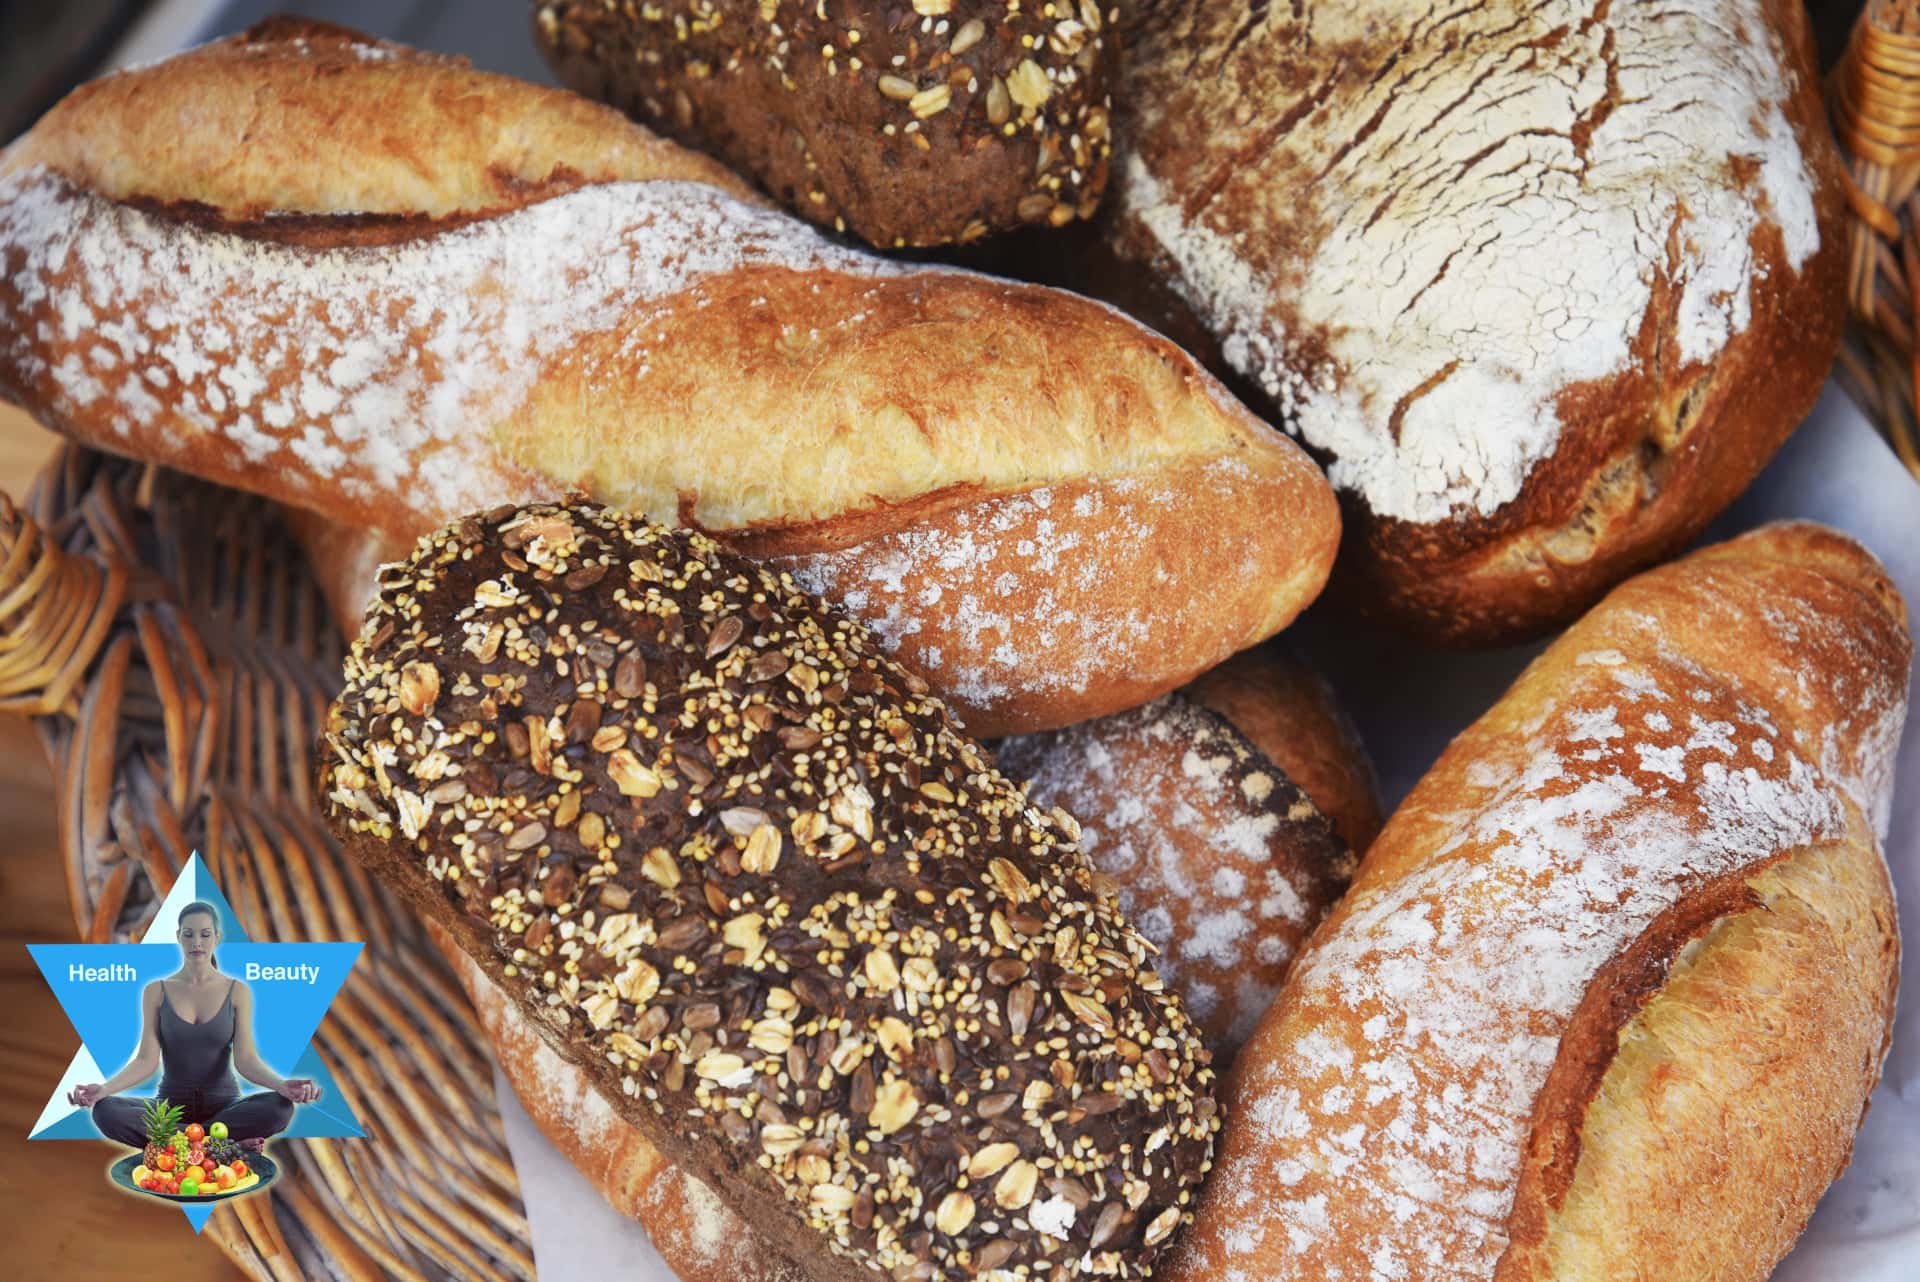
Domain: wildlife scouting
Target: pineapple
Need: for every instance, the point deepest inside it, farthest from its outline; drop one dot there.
(162, 1120)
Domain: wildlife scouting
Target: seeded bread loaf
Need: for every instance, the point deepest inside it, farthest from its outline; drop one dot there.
(908, 125)
(1545, 285)
(1609, 994)
(743, 871)
(1154, 848)
(480, 291)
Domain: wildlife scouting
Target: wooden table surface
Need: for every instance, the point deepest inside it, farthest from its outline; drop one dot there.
(64, 1219)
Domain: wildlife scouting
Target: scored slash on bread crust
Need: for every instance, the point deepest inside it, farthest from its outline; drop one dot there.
(746, 874)
(1716, 735)
(626, 325)
(1547, 285)
(909, 125)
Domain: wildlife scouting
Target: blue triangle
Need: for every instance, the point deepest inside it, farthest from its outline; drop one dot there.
(329, 1116)
(77, 1125)
(198, 1213)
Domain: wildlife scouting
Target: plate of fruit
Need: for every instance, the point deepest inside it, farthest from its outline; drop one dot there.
(190, 1163)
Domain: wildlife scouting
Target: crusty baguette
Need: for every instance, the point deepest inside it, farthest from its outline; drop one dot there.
(1610, 992)
(742, 870)
(1047, 510)
(942, 122)
(1547, 284)
(703, 1241)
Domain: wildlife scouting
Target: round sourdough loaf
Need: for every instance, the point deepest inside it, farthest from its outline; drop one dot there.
(1545, 284)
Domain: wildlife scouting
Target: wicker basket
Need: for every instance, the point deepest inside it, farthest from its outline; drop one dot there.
(170, 643)
(1875, 102)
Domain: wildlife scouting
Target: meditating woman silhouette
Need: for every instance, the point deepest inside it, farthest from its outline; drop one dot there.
(197, 1028)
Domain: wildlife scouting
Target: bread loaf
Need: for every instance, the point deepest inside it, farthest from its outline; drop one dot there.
(1287, 711)
(1155, 848)
(1610, 992)
(906, 125)
(1545, 284)
(1219, 857)
(745, 874)
(392, 289)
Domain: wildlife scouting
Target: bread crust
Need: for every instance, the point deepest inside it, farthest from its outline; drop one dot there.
(398, 367)
(1288, 712)
(908, 126)
(1480, 526)
(1220, 857)
(1616, 839)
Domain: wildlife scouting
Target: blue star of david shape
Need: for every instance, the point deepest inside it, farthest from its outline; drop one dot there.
(105, 1012)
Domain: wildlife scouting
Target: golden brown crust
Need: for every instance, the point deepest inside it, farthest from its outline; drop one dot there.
(394, 373)
(1287, 711)
(260, 123)
(1669, 1138)
(1615, 840)
(1217, 200)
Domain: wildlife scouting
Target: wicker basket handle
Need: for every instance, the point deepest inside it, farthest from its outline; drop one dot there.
(56, 609)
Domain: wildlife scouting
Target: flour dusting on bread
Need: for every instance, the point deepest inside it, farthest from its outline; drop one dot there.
(1439, 222)
(362, 367)
(1219, 858)
(1422, 1026)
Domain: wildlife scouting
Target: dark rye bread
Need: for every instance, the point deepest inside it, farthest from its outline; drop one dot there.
(908, 124)
(741, 869)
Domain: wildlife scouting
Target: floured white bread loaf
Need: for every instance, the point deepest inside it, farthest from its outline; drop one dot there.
(391, 289)
(1609, 994)
(1546, 284)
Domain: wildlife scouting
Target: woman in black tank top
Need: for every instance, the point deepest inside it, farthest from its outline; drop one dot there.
(197, 1029)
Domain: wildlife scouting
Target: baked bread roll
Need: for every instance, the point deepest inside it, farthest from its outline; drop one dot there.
(392, 289)
(906, 125)
(1547, 285)
(1219, 858)
(703, 1241)
(1287, 711)
(1609, 994)
(743, 871)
